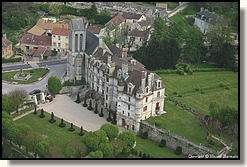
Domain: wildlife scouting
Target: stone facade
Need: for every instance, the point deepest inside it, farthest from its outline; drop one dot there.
(117, 81)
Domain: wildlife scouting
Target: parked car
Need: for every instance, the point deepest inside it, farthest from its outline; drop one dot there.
(35, 91)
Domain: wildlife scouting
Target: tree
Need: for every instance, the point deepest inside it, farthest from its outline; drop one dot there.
(101, 134)
(193, 48)
(31, 139)
(110, 130)
(54, 85)
(55, 9)
(96, 154)
(5, 103)
(130, 138)
(217, 36)
(178, 31)
(22, 133)
(225, 58)
(40, 149)
(118, 146)
(91, 140)
(7, 123)
(106, 148)
(54, 151)
(20, 95)
(76, 149)
(160, 29)
(207, 121)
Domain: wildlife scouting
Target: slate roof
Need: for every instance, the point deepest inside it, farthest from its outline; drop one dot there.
(134, 16)
(77, 24)
(137, 33)
(31, 39)
(208, 16)
(116, 51)
(92, 42)
(5, 43)
(60, 31)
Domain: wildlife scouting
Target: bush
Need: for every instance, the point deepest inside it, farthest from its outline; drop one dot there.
(162, 143)
(202, 92)
(145, 135)
(197, 89)
(227, 88)
(175, 92)
(222, 85)
(140, 154)
(178, 150)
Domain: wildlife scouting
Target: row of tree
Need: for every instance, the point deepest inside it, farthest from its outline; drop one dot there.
(224, 119)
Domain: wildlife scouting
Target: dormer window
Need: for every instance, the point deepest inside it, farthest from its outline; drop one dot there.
(130, 86)
(158, 84)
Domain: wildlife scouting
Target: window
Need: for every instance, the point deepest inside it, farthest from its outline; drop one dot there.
(81, 37)
(147, 90)
(106, 97)
(123, 112)
(145, 108)
(76, 42)
(129, 90)
(116, 103)
(158, 94)
(129, 98)
(98, 71)
(59, 37)
(159, 84)
(54, 36)
(59, 44)
(107, 79)
(106, 89)
(102, 92)
(146, 99)
(128, 114)
(128, 107)
(54, 43)
(66, 45)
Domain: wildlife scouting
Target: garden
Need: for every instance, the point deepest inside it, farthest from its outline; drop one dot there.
(35, 75)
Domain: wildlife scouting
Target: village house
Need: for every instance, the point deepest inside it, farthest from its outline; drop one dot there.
(6, 47)
(120, 82)
(138, 37)
(206, 20)
(60, 39)
(96, 31)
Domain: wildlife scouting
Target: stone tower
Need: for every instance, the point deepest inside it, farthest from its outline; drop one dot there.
(76, 51)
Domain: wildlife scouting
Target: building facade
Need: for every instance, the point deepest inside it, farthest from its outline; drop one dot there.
(121, 83)
(6, 47)
(60, 39)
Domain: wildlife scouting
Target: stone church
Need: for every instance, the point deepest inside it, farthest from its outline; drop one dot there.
(123, 83)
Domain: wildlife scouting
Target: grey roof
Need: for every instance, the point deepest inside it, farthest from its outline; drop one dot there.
(208, 16)
(92, 41)
(77, 24)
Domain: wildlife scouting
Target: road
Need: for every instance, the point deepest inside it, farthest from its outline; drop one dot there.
(57, 68)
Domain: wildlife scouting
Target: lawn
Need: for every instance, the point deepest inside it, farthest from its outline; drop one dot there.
(55, 135)
(209, 82)
(149, 147)
(38, 72)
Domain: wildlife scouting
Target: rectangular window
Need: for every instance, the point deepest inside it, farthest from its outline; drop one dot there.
(107, 79)
(106, 89)
(128, 107)
(158, 84)
(59, 44)
(158, 94)
(106, 97)
(76, 43)
(129, 99)
(129, 90)
(59, 37)
(81, 42)
(146, 99)
(54, 43)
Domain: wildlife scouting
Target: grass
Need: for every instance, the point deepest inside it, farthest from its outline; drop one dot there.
(55, 135)
(38, 72)
(209, 82)
(67, 83)
(149, 147)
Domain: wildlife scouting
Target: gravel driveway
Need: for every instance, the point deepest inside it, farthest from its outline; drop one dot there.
(64, 107)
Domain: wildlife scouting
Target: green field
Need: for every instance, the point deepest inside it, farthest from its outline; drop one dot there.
(209, 82)
(55, 135)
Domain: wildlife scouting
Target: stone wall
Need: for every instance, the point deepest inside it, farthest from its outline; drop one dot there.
(71, 89)
(173, 141)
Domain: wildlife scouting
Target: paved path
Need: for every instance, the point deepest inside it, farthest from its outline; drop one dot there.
(63, 107)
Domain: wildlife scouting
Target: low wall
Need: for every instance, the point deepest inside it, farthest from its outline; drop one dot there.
(173, 141)
(71, 89)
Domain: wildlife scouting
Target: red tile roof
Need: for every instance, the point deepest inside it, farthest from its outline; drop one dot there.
(36, 40)
(37, 52)
(5, 43)
(60, 31)
(117, 19)
(94, 30)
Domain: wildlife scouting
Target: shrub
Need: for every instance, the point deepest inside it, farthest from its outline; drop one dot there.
(178, 150)
(202, 92)
(140, 154)
(197, 89)
(145, 135)
(162, 143)
(227, 88)
(175, 92)
(144, 155)
(222, 85)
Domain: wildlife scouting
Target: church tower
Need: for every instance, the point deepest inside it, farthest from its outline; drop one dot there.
(76, 51)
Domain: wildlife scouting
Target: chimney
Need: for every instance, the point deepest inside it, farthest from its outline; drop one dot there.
(201, 9)
(124, 54)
